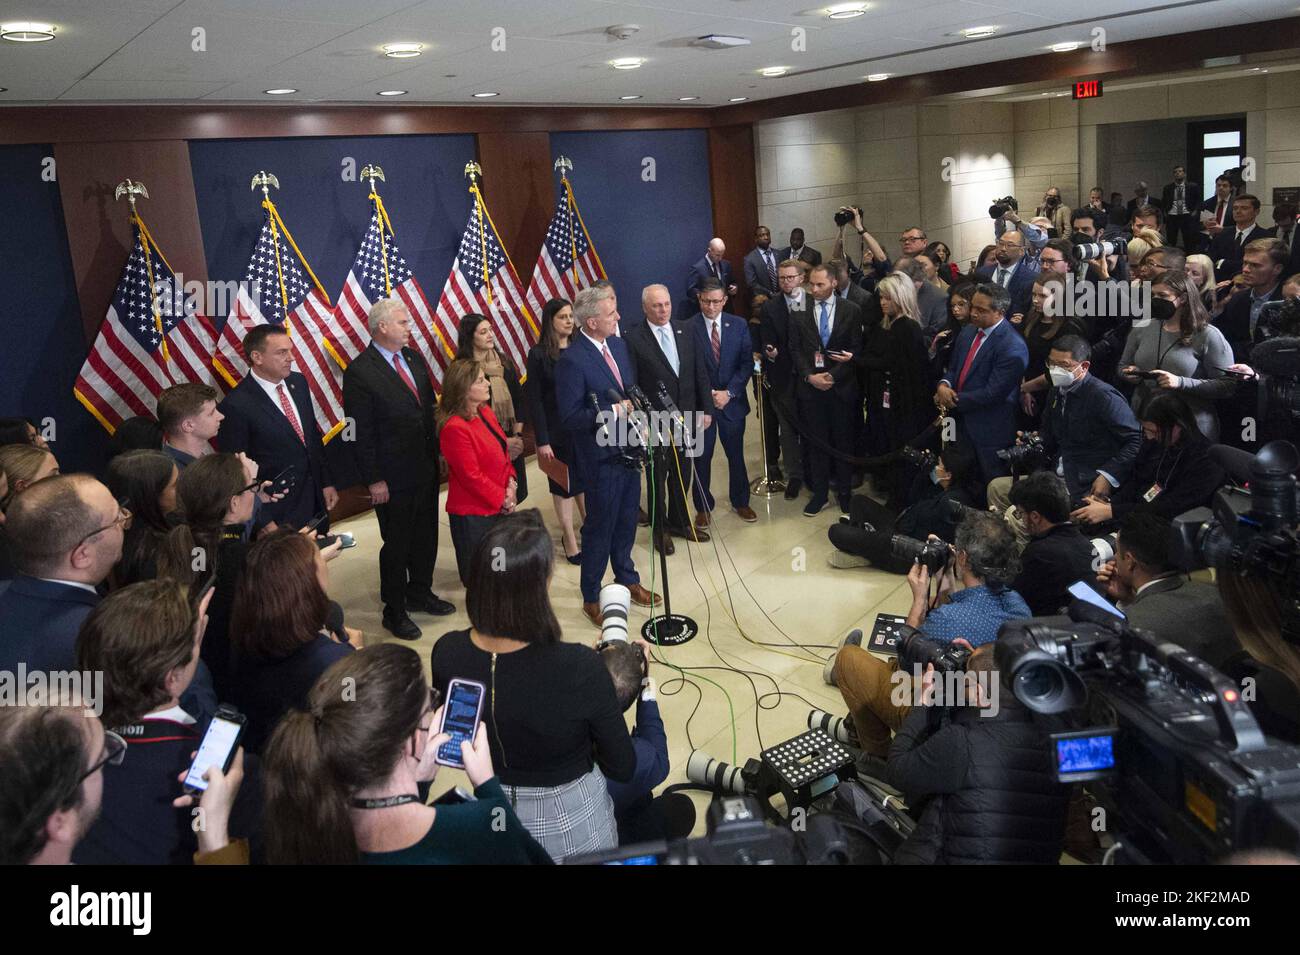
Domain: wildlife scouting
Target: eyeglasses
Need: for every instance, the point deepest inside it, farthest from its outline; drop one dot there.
(912, 238)
(1046, 261)
(123, 518)
(1001, 244)
(435, 700)
(114, 753)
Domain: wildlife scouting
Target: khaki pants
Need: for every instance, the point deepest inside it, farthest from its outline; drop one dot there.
(999, 492)
(867, 684)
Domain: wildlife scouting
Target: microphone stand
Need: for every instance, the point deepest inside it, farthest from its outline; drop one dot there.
(763, 486)
(668, 628)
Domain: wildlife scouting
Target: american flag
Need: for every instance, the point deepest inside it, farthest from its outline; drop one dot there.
(301, 307)
(568, 261)
(153, 337)
(380, 272)
(483, 268)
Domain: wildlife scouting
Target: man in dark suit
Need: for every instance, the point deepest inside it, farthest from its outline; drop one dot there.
(388, 395)
(596, 364)
(797, 250)
(982, 388)
(761, 264)
(1014, 271)
(269, 417)
(847, 289)
(715, 266)
(1262, 267)
(65, 534)
(1219, 206)
(930, 302)
(1228, 247)
(778, 316)
(724, 341)
(1182, 202)
(825, 341)
(667, 357)
(1141, 197)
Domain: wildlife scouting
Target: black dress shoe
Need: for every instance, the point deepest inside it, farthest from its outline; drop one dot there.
(400, 625)
(844, 503)
(665, 544)
(574, 559)
(815, 505)
(793, 488)
(429, 602)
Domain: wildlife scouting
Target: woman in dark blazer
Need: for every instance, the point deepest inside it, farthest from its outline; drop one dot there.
(477, 341)
(552, 439)
(480, 478)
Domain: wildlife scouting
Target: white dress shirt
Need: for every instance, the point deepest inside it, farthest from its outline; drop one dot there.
(270, 388)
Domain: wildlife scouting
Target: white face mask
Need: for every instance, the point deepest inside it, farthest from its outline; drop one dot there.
(1060, 377)
(934, 475)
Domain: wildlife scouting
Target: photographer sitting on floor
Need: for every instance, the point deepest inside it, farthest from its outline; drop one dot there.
(984, 772)
(1056, 554)
(865, 536)
(983, 559)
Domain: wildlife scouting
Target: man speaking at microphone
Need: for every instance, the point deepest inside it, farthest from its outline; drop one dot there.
(590, 374)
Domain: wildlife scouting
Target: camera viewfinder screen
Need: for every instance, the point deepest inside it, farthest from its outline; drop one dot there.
(1085, 754)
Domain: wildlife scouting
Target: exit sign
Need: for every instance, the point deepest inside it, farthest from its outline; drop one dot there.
(1087, 89)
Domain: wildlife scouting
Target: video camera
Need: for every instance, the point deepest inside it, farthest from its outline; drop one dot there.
(1002, 206)
(920, 458)
(844, 215)
(1172, 752)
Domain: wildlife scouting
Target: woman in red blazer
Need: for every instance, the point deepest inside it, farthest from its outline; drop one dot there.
(480, 477)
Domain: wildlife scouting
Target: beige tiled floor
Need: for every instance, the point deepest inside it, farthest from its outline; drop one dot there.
(754, 584)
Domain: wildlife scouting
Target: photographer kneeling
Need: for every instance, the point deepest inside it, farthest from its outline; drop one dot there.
(1089, 432)
(866, 535)
(1056, 553)
(983, 559)
(984, 770)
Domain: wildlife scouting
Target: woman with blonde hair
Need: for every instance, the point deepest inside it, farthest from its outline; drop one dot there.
(900, 399)
(1254, 605)
(24, 465)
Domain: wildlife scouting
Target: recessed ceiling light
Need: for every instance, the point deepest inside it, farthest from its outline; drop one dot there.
(686, 99)
(485, 95)
(26, 31)
(627, 63)
(846, 11)
(1068, 47)
(775, 70)
(737, 99)
(400, 51)
(631, 96)
(877, 77)
(391, 93)
(976, 33)
(279, 92)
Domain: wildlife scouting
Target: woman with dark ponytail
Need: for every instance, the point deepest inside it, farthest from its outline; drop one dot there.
(347, 778)
(154, 545)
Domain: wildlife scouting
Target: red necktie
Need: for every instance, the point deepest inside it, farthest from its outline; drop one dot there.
(287, 407)
(406, 378)
(613, 365)
(1218, 213)
(716, 341)
(970, 357)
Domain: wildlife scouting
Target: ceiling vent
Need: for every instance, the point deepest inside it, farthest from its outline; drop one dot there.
(718, 41)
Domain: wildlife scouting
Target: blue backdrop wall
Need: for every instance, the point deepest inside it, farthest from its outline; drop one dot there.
(40, 317)
(645, 232)
(425, 195)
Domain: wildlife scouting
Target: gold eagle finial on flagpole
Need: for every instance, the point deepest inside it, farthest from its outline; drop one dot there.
(265, 180)
(131, 190)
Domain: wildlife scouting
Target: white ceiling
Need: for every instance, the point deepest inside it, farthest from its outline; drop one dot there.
(556, 50)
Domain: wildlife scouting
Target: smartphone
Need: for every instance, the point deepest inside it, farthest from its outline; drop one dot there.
(315, 521)
(460, 716)
(1145, 375)
(218, 747)
(348, 540)
(203, 591)
(325, 540)
(282, 481)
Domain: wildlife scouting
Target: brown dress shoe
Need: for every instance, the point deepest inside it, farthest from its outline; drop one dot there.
(642, 597)
(702, 519)
(746, 514)
(593, 613)
(665, 544)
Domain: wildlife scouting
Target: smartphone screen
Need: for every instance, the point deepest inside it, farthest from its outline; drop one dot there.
(460, 717)
(217, 748)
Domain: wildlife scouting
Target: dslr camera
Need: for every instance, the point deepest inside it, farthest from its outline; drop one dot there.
(1002, 206)
(845, 215)
(916, 651)
(1028, 455)
(933, 554)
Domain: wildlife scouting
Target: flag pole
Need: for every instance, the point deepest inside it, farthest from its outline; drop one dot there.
(132, 190)
(564, 163)
(372, 172)
(266, 180)
(475, 172)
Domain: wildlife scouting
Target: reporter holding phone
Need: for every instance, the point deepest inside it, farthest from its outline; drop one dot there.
(145, 639)
(553, 721)
(279, 631)
(347, 777)
(1183, 350)
(481, 483)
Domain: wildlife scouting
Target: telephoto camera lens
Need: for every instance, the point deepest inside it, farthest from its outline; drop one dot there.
(836, 727)
(933, 554)
(614, 602)
(703, 770)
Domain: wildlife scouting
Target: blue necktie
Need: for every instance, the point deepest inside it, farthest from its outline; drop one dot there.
(670, 350)
(825, 327)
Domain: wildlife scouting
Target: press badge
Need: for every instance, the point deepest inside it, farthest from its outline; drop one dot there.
(884, 399)
(1152, 493)
(819, 360)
